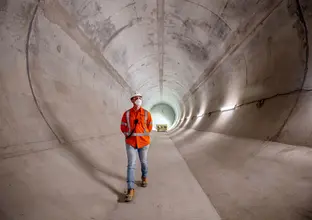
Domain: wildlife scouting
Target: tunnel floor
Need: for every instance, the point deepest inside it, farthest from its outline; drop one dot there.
(89, 186)
(197, 175)
(173, 192)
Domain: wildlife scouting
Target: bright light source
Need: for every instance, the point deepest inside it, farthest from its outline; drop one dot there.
(227, 108)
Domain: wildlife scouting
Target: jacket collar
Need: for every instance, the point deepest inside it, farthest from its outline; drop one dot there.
(139, 110)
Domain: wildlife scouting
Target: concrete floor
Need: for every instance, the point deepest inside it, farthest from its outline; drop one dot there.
(68, 67)
(250, 179)
(80, 181)
(173, 192)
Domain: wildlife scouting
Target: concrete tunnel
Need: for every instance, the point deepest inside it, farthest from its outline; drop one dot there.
(231, 77)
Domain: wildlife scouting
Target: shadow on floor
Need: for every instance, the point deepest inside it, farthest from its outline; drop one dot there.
(305, 214)
(84, 160)
(93, 170)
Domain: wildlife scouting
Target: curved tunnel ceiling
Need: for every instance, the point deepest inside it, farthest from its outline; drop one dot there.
(167, 50)
(197, 56)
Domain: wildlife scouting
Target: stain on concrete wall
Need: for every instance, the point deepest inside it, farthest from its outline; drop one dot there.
(150, 40)
(236, 8)
(25, 13)
(293, 12)
(144, 7)
(120, 56)
(3, 5)
(195, 50)
(221, 30)
(306, 7)
(61, 88)
(202, 24)
(89, 9)
(104, 30)
(59, 48)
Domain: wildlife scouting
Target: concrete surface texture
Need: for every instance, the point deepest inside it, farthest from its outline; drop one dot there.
(68, 67)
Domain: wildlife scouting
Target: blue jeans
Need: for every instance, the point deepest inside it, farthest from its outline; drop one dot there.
(131, 155)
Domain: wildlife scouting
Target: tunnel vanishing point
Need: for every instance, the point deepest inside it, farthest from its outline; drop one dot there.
(232, 78)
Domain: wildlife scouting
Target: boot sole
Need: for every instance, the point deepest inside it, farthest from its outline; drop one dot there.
(128, 199)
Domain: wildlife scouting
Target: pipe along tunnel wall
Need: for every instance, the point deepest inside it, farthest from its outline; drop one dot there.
(67, 69)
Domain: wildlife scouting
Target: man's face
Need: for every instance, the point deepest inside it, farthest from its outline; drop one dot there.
(135, 98)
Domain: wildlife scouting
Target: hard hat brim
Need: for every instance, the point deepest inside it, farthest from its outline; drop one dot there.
(135, 96)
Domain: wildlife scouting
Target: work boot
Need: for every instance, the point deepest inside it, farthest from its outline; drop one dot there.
(130, 195)
(144, 182)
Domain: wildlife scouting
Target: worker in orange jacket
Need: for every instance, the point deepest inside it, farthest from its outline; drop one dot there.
(136, 125)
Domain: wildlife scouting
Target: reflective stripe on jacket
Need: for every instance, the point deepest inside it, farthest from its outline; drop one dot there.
(141, 135)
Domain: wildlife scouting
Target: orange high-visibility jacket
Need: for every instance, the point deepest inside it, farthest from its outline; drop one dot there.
(141, 135)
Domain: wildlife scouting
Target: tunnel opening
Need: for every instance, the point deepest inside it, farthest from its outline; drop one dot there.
(163, 113)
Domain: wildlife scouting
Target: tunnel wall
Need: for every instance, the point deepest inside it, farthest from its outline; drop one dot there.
(269, 62)
(74, 86)
(254, 162)
(59, 158)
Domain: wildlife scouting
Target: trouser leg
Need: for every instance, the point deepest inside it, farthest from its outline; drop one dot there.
(143, 159)
(131, 155)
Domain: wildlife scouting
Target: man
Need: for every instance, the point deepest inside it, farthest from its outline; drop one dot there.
(136, 124)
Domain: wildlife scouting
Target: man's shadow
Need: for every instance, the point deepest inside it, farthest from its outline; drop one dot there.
(84, 160)
(94, 170)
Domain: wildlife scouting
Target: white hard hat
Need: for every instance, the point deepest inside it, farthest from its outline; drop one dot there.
(135, 94)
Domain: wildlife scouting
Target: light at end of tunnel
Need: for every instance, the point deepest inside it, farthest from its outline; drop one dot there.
(227, 108)
(163, 114)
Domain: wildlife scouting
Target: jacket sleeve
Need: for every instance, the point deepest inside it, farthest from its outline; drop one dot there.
(123, 124)
(149, 122)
